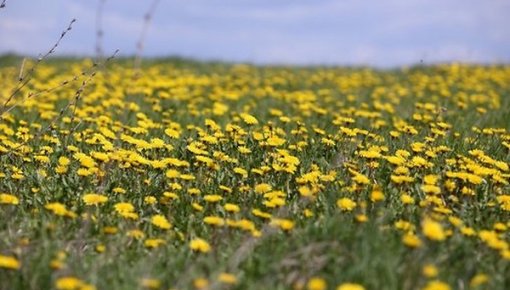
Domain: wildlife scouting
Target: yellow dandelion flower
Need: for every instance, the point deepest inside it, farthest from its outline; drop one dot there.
(396, 160)
(248, 119)
(9, 262)
(136, 234)
(406, 199)
(433, 230)
(153, 243)
(59, 209)
(161, 222)
(467, 231)
(244, 150)
(61, 169)
(214, 220)
(370, 154)
(263, 188)
(227, 278)
(308, 213)
(457, 222)
(150, 283)
(172, 173)
(350, 286)
(275, 141)
(8, 199)
(305, 191)
(94, 199)
(100, 248)
(64, 161)
(361, 179)
(171, 195)
(119, 190)
(316, 283)
(430, 271)
(430, 179)
(124, 207)
(436, 285)
(431, 189)
(201, 283)
(261, 214)
(199, 245)
(85, 160)
(411, 240)
(56, 264)
(241, 171)
(110, 230)
(478, 279)
(361, 218)
(84, 172)
(399, 179)
(101, 156)
(230, 207)
(346, 204)
(284, 224)
(197, 206)
(150, 199)
(70, 283)
(212, 198)
(376, 195)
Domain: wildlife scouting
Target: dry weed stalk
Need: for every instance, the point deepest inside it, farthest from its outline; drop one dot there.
(77, 97)
(49, 90)
(25, 79)
(79, 92)
(99, 29)
(140, 44)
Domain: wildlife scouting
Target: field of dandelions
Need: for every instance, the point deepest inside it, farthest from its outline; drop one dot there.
(189, 175)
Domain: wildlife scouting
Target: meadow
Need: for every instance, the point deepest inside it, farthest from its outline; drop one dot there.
(189, 175)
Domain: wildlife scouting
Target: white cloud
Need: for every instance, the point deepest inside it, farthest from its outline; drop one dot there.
(324, 31)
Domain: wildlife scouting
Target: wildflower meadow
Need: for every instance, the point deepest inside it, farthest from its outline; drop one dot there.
(203, 175)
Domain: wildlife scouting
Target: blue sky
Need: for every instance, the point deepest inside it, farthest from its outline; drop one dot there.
(346, 32)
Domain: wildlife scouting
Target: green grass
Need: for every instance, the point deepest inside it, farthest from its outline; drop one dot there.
(333, 244)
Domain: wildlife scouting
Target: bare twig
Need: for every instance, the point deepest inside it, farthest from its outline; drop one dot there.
(3, 4)
(20, 76)
(140, 44)
(33, 95)
(79, 92)
(78, 96)
(25, 79)
(99, 29)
